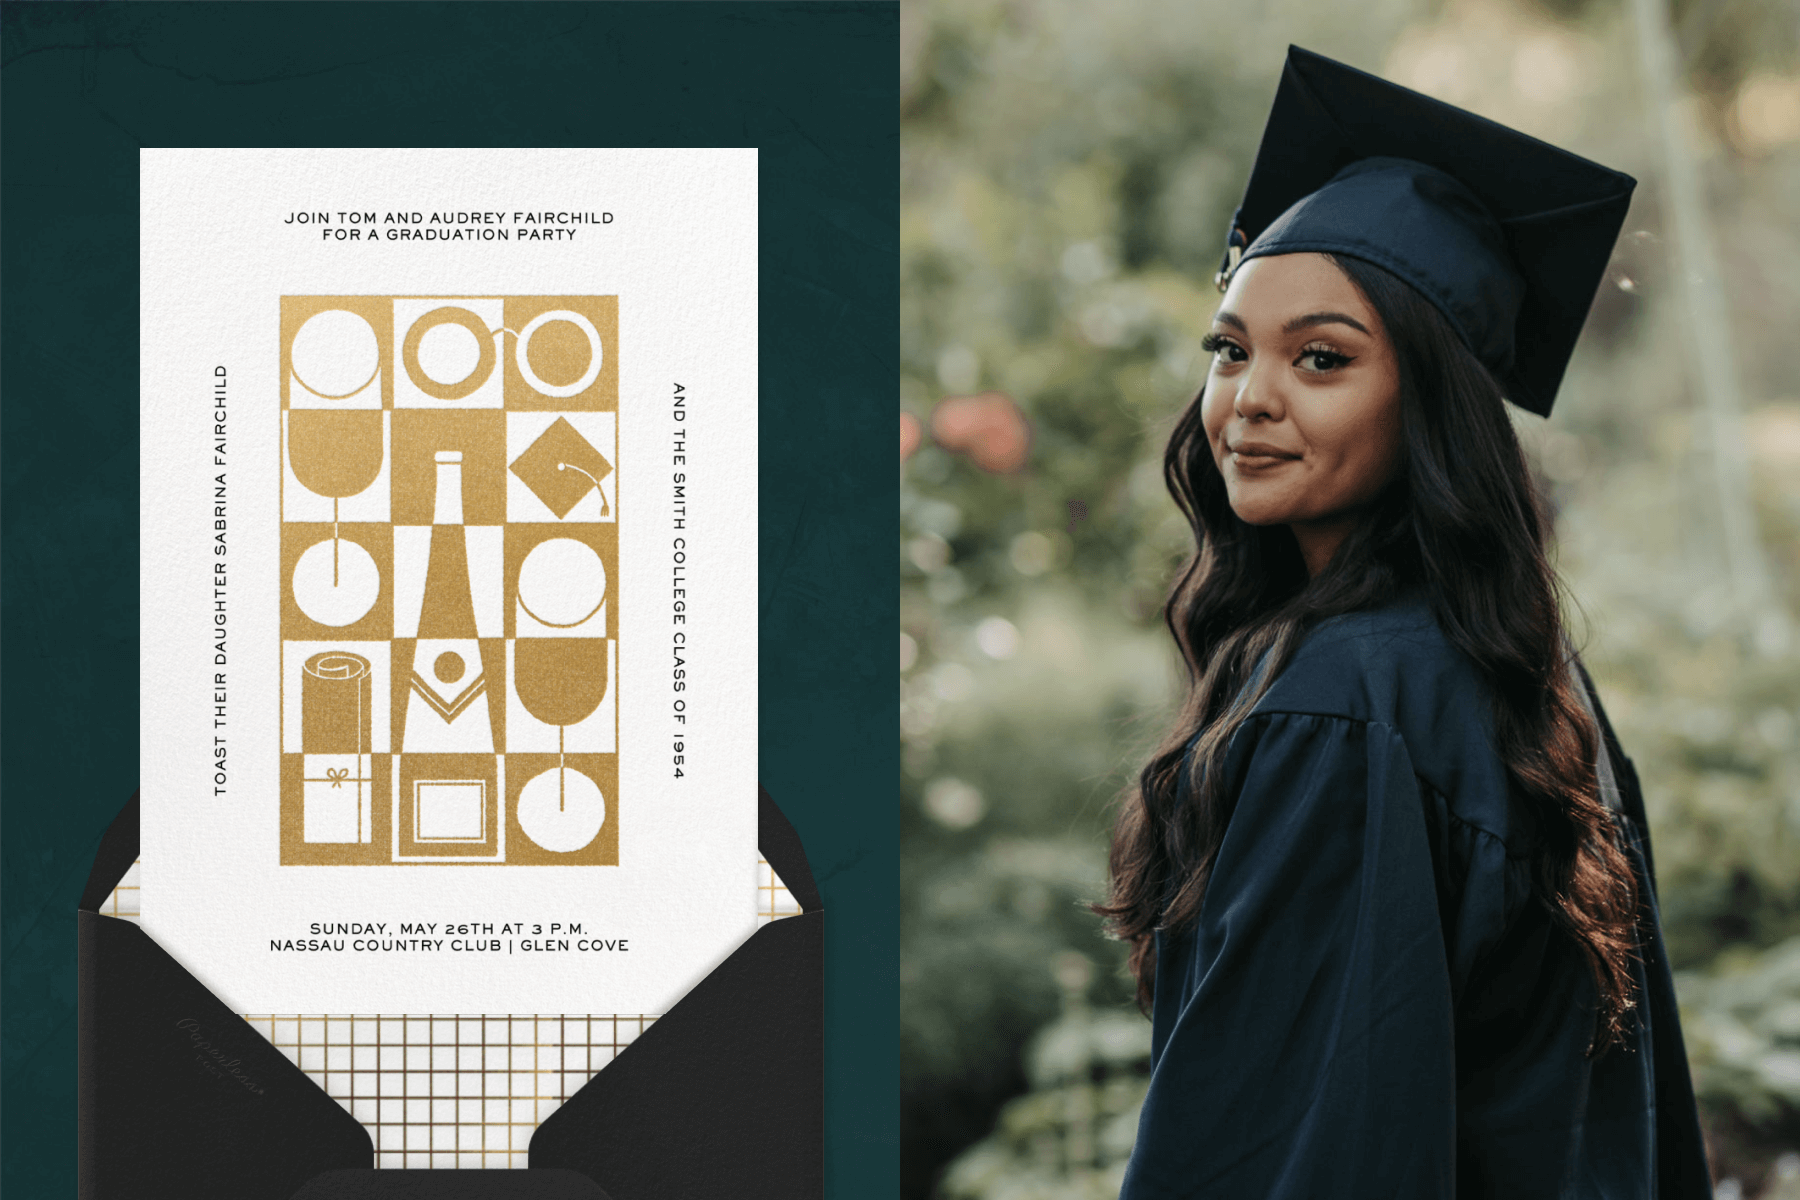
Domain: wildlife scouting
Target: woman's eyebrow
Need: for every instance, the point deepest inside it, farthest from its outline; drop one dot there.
(1298, 323)
(1322, 318)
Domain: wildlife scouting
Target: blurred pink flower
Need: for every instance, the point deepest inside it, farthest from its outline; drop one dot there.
(990, 428)
(911, 434)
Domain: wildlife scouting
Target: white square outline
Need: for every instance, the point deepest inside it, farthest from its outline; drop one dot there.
(419, 785)
(394, 826)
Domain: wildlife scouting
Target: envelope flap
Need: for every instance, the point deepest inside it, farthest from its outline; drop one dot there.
(723, 1097)
(781, 849)
(179, 1096)
(118, 850)
(451, 1185)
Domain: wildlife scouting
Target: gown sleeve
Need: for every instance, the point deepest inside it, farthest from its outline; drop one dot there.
(1681, 1163)
(1306, 1040)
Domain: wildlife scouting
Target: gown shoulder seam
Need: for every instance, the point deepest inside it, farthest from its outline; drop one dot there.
(1310, 712)
(1449, 810)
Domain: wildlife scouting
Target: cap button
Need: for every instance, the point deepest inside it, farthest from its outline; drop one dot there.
(1234, 253)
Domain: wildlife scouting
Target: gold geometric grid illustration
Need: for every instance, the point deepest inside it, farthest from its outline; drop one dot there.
(449, 566)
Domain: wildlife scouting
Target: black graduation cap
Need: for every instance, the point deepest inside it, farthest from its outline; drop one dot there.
(1507, 235)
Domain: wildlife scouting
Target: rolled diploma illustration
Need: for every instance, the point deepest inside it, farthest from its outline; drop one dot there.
(335, 713)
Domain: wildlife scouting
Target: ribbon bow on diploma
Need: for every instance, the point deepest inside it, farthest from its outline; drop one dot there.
(337, 775)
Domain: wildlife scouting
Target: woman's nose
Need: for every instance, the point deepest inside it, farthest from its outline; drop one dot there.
(1255, 398)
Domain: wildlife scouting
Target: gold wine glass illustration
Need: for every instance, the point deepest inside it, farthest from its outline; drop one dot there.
(338, 454)
(560, 676)
(334, 435)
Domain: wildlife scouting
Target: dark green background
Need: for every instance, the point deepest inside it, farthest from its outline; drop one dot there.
(812, 85)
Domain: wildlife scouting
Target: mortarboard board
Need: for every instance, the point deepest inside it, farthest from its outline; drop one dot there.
(1508, 236)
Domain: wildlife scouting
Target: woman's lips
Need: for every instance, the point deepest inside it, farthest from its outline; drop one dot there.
(1260, 454)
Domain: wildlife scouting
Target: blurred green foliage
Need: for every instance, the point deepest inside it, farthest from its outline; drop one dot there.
(1069, 1137)
(1067, 173)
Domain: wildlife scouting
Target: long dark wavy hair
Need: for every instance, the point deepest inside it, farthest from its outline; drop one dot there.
(1462, 522)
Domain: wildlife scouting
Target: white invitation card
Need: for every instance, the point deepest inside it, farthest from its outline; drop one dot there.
(448, 516)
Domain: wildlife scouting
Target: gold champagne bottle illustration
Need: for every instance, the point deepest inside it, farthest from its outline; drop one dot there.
(447, 705)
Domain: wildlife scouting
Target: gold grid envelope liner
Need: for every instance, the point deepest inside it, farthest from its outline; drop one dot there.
(449, 559)
(453, 1091)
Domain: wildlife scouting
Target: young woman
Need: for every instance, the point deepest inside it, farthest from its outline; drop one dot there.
(1387, 883)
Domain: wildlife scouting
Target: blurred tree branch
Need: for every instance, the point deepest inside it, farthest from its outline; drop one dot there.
(1762, 615)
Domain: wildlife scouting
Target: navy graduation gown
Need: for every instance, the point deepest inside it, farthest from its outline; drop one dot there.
(1371, 1003)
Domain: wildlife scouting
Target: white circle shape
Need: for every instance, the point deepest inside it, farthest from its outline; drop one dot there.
(594, 358)
(562, 582)
(335, 354)
(561, 810)
(340, 595)
(448, 353)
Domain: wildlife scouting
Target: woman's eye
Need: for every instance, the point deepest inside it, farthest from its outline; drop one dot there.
(1320, 360)
(1212, 343)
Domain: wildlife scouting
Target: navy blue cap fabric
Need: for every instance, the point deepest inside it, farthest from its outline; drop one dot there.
(1508, 236)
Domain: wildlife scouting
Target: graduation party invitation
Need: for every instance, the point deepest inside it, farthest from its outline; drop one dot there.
(449, 517)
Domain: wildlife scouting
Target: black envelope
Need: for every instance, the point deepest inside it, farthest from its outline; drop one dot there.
(721, 1097)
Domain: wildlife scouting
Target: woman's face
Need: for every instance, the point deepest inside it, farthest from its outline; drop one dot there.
(1302, 404)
